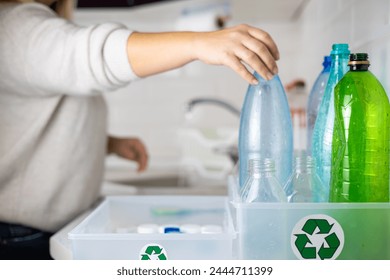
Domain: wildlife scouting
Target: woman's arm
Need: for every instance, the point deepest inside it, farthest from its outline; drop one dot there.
(152, 53)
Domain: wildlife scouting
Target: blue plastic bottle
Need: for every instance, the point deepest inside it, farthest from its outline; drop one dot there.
(266, 129)
(323, 128)
(315, 98)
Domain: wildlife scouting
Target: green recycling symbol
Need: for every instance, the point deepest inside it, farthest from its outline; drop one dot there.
(153, 252)
(317, 237)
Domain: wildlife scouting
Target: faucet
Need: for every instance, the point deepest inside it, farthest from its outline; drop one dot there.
(231, 151)
(219, 102)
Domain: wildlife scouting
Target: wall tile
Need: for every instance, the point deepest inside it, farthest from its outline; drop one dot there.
(370, 20)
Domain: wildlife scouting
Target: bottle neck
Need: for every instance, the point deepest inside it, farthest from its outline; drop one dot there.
(326, 68)
(339, 66)
(261, 168)
(304, 164)
(340, 61)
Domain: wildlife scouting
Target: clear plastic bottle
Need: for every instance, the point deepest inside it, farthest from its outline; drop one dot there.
(323, 128)
(304, 185)
(360, 151)
(261, 184)
(266, 128)
(315, 98)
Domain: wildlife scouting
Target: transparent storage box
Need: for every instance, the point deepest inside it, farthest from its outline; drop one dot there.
(310, 230)
(109, 232)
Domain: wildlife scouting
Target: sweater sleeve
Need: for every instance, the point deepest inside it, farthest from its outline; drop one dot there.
(50, 55)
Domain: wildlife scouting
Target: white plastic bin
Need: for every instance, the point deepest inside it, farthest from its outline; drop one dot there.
(109, 232)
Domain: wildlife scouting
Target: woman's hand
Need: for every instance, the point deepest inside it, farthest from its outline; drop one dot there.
(239, 46)
(236, 47)
(129, 148)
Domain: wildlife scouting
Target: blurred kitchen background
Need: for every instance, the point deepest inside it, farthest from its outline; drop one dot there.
(196, 145)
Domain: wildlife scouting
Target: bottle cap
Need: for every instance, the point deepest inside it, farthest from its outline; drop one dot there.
(172, 230)
(358, 61)
(358, 56)
(190, 228)
(147, 228)
(163, 228)
(211, 229)
(327, 61)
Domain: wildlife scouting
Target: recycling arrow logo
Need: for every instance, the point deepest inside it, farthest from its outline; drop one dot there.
(317, 237)
(153, 252)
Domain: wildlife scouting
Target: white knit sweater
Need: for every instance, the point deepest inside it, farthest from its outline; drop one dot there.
(52, 115)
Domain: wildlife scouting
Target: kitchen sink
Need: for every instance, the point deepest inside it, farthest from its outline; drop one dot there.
(160, 181)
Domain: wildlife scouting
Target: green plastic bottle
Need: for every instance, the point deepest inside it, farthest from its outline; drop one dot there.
(361, 135)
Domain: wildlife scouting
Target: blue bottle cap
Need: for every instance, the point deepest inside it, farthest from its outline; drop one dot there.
(327, 61)
(172, 230)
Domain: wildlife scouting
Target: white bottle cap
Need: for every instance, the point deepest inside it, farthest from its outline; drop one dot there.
(211, 229)
(147, 228)
(190, 228)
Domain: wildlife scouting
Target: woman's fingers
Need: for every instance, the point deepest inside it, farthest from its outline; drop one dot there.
(260, 52)
(132, 149)
(264, 37)
(238, 47)
(234, 63)
(141, 155)
(255, 62)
